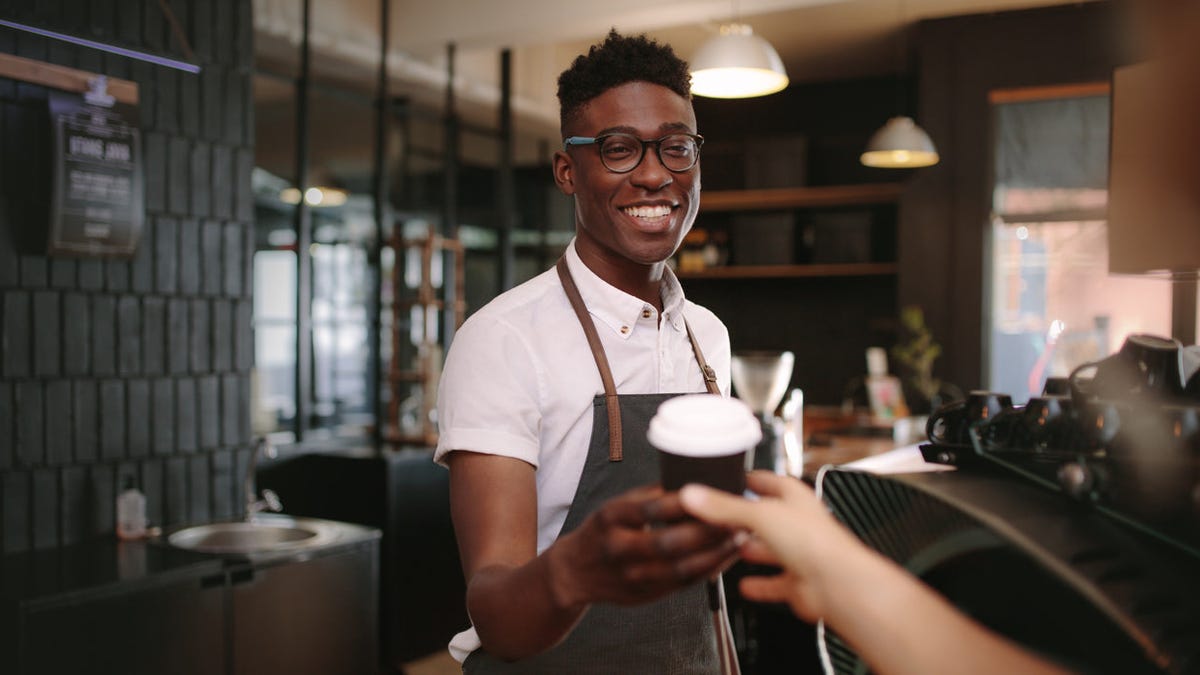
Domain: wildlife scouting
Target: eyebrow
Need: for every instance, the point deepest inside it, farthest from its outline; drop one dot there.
(666, 128)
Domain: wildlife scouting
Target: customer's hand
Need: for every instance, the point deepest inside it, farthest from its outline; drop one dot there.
(637, 547)
(897, 624)
(791, 530)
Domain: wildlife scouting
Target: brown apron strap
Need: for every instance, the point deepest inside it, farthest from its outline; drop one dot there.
(589, 329)
(610, 388)
(710, 376)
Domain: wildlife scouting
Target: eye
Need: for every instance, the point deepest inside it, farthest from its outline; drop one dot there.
(618, 147)
(679, 146)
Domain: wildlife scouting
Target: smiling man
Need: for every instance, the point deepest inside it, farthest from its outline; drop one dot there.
(575, 560)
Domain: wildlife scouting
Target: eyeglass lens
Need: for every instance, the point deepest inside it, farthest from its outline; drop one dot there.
(622, 152)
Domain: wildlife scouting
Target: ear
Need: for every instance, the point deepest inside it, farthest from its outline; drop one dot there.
(564, 173)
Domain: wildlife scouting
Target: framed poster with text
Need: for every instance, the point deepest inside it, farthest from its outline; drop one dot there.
(97, 206)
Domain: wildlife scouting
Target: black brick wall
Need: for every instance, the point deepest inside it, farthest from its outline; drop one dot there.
(140, 368)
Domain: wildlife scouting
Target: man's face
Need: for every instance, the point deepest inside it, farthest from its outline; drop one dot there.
(640, 216)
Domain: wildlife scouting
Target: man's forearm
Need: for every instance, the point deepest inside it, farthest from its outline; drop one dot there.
(520, 611)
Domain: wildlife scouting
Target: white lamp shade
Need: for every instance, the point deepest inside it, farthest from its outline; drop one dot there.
(737, 64)
(900, 144)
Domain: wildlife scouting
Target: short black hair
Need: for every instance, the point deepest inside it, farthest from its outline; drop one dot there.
(616, 61)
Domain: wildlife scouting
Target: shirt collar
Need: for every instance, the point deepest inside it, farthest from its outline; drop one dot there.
(615, 308)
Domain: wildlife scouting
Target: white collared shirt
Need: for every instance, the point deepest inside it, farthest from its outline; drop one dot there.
(519, 379)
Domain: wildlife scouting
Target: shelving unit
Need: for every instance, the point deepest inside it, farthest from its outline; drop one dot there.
(416, 361)
(775, 199)
(730, 203)
(776, 271)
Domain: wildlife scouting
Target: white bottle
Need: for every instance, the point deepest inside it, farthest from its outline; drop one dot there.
(793, 438)
(131, 512)
(883, 391)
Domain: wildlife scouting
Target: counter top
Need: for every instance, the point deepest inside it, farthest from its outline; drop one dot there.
(834, 436)
(98, 565)
(106, 565)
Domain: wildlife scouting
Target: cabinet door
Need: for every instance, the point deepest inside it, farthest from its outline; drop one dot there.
(176, 628)
(317, 617)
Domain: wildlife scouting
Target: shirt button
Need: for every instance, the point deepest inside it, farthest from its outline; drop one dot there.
(624, 330)
(645, 314)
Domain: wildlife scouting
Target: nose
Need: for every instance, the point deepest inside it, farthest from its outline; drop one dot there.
(650, 172)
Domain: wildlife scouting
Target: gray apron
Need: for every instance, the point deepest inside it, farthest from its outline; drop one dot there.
(670, 636)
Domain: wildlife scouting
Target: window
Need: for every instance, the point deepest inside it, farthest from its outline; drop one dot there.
(1053, 304)
(274, 340)
(336, 400)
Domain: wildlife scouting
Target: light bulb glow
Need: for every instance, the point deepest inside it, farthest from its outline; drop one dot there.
(898, 159)
(314, 196)
(737, 82)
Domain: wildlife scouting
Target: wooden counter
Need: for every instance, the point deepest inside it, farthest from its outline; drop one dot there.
(835, 436)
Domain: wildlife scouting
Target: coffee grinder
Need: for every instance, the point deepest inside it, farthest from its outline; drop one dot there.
(760, 379)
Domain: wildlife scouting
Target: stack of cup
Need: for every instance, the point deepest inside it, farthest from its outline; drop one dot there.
(704, 438)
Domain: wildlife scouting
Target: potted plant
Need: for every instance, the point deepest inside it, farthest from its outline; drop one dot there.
(915, 353)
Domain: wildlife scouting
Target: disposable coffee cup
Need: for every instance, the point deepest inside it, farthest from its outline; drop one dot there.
(704, 438)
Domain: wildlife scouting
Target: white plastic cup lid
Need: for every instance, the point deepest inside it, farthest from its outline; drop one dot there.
(704, 425)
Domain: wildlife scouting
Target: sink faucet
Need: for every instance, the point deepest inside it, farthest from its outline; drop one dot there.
(270, 500)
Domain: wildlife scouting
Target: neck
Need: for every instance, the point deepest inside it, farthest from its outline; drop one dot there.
(639, 280)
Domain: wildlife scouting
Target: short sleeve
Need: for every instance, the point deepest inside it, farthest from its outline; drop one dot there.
(489, 393)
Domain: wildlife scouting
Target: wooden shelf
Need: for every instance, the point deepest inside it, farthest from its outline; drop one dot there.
(799, 197)
(777, 271)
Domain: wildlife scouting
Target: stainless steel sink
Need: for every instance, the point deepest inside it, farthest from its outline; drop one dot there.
(263, 534)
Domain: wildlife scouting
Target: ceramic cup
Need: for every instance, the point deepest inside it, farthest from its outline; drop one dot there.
(1046, 423)
(1145, 365)
(704, 438)
(1056, 386)
(1101, 420)
(951, 422)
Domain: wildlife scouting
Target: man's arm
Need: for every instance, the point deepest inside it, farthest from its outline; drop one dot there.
(521, 603)
(493, 501)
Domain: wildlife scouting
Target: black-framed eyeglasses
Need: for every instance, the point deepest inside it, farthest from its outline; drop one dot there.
(622, 153)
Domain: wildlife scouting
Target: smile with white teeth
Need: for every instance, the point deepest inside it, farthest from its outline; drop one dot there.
(656, 211)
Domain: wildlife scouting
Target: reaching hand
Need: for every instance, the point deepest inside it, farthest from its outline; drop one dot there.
(636, 548)
(791, 530)
(876, 606)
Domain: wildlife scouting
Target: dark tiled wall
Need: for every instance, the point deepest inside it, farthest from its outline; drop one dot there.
(129, 368)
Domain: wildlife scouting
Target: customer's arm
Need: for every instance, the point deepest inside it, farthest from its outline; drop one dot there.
(896, 623)
(521, 603)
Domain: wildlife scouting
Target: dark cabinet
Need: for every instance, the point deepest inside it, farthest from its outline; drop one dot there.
(317, 617)
(314, 613)
(422, 600)
(176, 627)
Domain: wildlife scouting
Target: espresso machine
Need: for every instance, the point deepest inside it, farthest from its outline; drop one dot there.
(760, 379)
(1071, 523)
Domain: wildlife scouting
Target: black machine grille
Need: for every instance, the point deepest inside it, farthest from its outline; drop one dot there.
(891, 518)
(1104, 598)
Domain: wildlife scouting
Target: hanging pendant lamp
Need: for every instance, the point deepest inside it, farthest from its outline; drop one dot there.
(900, 144)
(737, 64)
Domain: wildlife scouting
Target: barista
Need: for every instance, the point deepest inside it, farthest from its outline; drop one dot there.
(575, 560)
